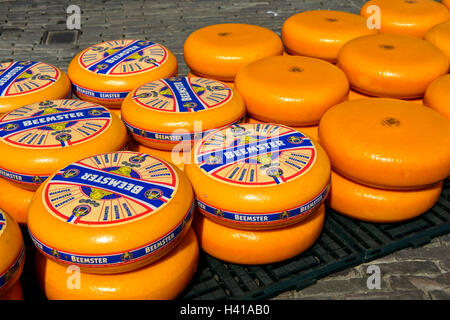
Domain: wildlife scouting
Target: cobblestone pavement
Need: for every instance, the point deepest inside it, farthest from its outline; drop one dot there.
(420, 273)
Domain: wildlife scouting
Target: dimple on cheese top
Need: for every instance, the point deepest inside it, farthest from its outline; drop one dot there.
(107, 71)
(258, 176)
(26, 82)
(167, 112)
(111, 212)
(42, 137)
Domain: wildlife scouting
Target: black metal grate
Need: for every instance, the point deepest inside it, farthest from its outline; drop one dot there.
(343, 243)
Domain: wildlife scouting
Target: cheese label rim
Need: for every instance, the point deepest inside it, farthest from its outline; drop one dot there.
(54, 124)
(11, 271)
(182, 94)
(101, 95)
(264, 218)
(117, 258)
(123, 57)
(174, 137)
(255, 155)
(3, 223)
(110, 189)
(19, 78)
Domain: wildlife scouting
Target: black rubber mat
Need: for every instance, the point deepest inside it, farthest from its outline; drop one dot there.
(344, 243)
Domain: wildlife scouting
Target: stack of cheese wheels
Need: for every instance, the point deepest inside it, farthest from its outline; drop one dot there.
(12, 257)
(389, 158)
(106, 72)
(291, 90)
(392, 66)
(260, 190)
(26, 82)
(405, 17)
(123, 219)
(437, 96)
(42, 137)
(166, 116)
(220, 51)
(322, 33)
(439, 35)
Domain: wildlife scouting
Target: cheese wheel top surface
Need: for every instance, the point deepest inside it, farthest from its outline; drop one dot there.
(155, 111)
(439, 35)
(107, 71)
(321, 33)
(388, 65)
(44, 136)
(11, 252)
(387, 143)
(262, 171)
(437, 96)
(291, 90)
(111, 205)
(220, 50)
(26, 82)
(406, 17)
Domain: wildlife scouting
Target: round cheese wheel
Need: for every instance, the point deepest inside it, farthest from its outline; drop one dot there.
(15, 200)
(439, 35)
(106, 72)
(321, 33)
(228, 83)
(446, 3)
(26, 82)
(12, 252)
(42, 137)
(395, 66)
(437, 96)
(353, 95)
(176, 157)
(378, 205)
(172, 112)
(112, 212)
(310, 131)
(258, 176)
(254, 247)
(387, 143)
(291, 90)
(219, 51)
(15, 293)
(405, 17)
(162, 280)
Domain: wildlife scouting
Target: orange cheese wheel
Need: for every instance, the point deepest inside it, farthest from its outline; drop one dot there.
(15, 293)
(387, 143)
(228, 83)
(106, 72)
(321, 33)
(406, 17)
(437, 96)
(258, 176)
(177, 158)
(310, 131)
(12, 252)
(15, 200)
(26, 82)
(394, 66)
(446, 3)
(291, 90)
(43, 137)
(378, 205)
(253, 247)
(219, 51)
(164, 279)
(353, 95)
(439, 35)
(112, 212)
(174, 112)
